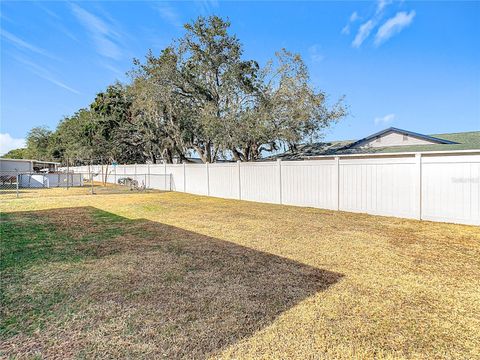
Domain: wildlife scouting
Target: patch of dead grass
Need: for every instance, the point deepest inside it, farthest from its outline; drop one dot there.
(409, 289)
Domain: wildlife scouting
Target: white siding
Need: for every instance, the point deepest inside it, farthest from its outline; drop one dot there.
(394, 139)
(15, 166)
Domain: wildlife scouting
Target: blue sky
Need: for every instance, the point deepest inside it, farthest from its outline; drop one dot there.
(412, 65)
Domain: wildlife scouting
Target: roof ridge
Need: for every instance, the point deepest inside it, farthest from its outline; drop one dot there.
(455, 133)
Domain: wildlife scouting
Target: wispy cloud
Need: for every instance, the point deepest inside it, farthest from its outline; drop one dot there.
(382, 4)
(393, 26)
(363, 32)
(45, 74)
(24, 45)
(315, 55)
(55, 21)
(7, 143)
(6, 18)
(387, 119)
(168, 13)
(207, 7)
(387, 30)
(104, 36)
(121, 75)
(47, 10)
(354, 17)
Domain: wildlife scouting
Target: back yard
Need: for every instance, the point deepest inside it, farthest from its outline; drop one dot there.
(181, 276)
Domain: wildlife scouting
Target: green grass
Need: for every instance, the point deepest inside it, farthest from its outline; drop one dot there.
(30, 240)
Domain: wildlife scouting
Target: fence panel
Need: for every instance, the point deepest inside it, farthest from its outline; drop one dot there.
(224, 180)
(451, 189)
(177, 176)
(260, 182)
(309, 183)
(157, 169)
(378, 186)
(196, 179)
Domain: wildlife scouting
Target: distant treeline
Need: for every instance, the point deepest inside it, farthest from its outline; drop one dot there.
(197, 97)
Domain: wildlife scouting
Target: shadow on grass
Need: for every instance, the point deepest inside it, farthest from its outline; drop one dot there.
(186, 295)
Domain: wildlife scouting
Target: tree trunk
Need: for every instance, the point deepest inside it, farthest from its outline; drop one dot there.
(209, 152)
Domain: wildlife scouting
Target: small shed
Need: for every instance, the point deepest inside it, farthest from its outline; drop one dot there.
(26, 165)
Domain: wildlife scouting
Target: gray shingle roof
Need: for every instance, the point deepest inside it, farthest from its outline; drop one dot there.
(451, 141)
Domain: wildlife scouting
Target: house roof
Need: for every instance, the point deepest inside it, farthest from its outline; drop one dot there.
(30, 160)
(404, 132)
(445, 142)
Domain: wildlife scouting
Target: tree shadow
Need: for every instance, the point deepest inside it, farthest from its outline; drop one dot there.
(194, 295)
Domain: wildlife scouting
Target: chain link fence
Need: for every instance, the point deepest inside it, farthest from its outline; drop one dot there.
(28, 184)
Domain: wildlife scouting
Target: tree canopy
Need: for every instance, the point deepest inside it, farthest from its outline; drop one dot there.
(198, 97)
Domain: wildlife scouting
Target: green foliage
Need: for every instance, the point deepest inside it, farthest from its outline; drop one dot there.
(38, 141)
(197, 96)
(16, 154)
(200, 94)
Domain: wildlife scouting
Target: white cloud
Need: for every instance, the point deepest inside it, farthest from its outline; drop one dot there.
(168, 14)
(354, 17)
(382, 4)
(104, 36)
(45, 74)
(387, 119)
(363, 33)
(22, 44)
(315, 55)
(393, 26)
(8, 143)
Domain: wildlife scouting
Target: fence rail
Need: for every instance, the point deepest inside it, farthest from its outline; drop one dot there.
(430, 186)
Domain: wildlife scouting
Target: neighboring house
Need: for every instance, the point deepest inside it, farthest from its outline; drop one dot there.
(390, 140)
(23, 165)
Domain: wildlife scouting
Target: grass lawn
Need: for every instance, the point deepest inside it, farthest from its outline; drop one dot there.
(171, 275)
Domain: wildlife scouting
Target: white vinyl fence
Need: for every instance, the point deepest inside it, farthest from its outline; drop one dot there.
(438, 186)
(49, 180)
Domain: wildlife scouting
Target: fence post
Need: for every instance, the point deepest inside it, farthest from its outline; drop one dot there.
(337, 183)
(148, 172)
(418, 166)
(90, 175)
(239, 180)
(279, 169)
(18, 180)
(68, 171)
(184, 177)
(135, 171)
(208, 178)
(165, 175)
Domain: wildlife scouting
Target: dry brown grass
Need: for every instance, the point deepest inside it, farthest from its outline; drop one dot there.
(98, 189)
(190, 276)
